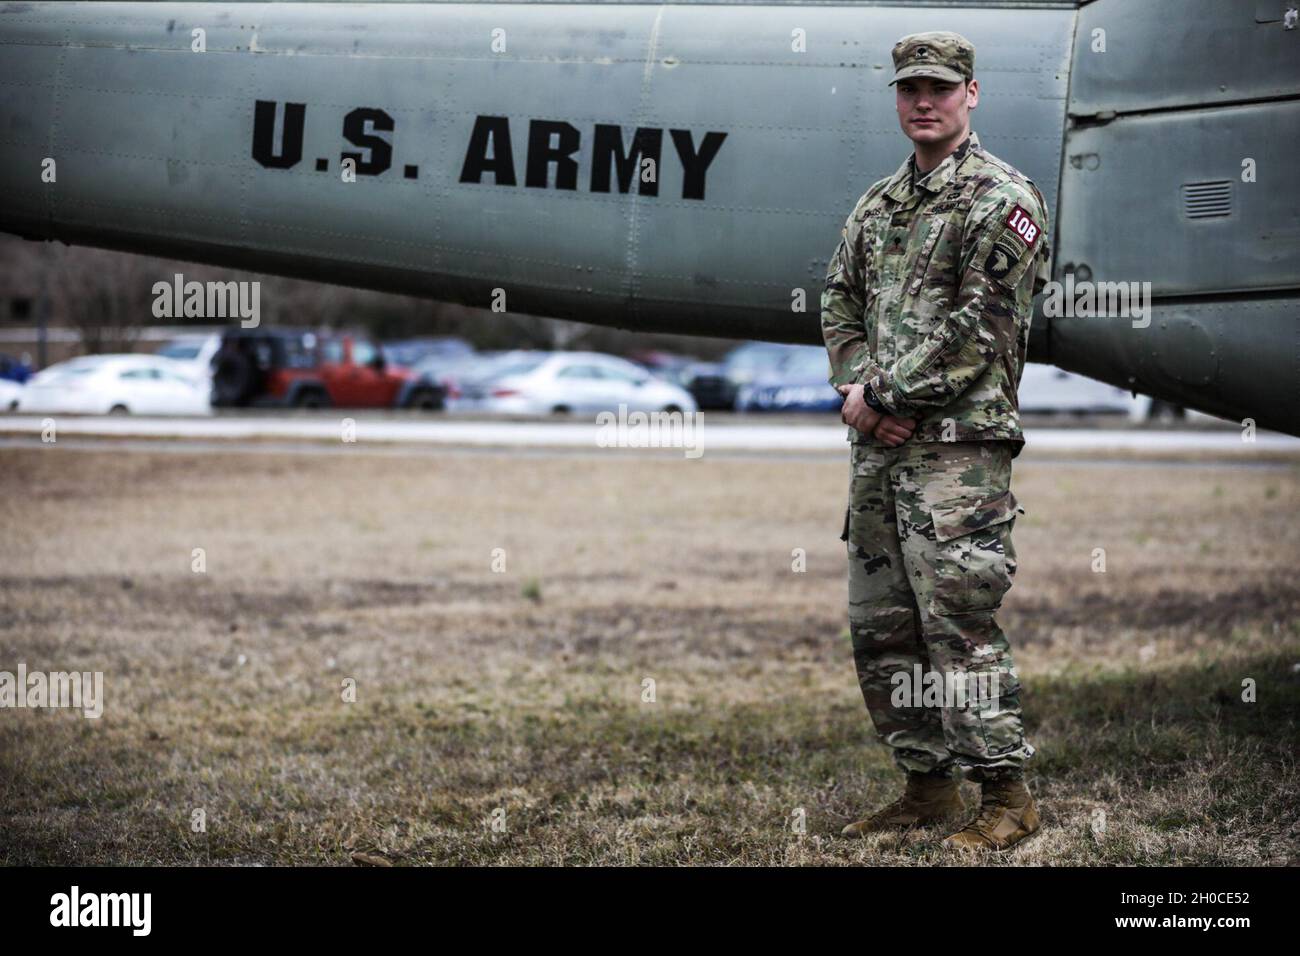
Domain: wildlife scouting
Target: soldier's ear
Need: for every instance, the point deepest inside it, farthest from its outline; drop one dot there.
(972, 94)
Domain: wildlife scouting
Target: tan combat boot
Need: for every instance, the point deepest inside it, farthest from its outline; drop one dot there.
(1007, 815)
(925, 800)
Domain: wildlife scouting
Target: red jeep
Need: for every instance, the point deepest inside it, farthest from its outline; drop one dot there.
(303, 369)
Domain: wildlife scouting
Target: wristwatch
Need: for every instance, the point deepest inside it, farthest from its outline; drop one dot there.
(873, 403)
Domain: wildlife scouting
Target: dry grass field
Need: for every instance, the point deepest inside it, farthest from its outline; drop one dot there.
(514, 697)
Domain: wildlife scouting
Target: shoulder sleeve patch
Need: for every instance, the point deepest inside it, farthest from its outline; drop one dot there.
(1000, 259)
(1023, 224)
(1010, 247)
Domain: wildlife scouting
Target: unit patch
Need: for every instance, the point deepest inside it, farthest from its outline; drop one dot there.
(1001, 258)
(1023, 224)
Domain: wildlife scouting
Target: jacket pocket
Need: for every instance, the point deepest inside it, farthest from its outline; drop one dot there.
(917, 278)
(974, 558)
(935, 273)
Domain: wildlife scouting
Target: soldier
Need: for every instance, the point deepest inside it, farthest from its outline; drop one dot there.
(926, 317)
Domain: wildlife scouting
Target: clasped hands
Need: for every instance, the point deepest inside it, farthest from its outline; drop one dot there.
(888, 429)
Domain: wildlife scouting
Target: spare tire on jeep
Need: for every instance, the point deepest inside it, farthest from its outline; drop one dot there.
(234, 379)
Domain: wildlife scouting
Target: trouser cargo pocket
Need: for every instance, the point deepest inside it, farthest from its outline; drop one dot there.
(974, 558)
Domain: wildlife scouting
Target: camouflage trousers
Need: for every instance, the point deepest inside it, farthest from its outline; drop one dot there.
(930, 557)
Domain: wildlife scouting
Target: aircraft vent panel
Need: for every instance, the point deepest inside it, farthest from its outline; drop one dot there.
(1207, 200)
(1192, 201)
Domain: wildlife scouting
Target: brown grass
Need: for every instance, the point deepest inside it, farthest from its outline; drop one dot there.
(520, 692)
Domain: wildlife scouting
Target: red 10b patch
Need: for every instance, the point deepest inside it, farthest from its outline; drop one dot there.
(1023, 224)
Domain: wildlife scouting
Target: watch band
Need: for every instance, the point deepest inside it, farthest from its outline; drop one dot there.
(873, 402)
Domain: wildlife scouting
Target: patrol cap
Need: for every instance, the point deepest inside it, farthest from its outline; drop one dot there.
(939, 54)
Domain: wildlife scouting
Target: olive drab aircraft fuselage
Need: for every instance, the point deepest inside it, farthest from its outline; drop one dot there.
(680, 167)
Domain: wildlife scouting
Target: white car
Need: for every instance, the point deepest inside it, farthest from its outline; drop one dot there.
(540, 383)
(115, 384)
(193, 354)
(1048, 389)
(10, 392)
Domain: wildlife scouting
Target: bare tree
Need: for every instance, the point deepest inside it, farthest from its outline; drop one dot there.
(107, 296)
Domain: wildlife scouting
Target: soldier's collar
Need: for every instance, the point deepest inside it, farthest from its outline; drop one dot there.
(900, 187)
(938, 178)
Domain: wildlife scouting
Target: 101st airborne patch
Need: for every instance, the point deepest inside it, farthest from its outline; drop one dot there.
(1015, 241)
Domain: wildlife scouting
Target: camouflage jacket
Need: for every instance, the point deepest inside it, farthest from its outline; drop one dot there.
(928, 295)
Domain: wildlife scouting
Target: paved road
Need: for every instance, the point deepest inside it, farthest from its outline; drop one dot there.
(727, 436)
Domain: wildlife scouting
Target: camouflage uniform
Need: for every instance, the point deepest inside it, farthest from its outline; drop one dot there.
(927, 303)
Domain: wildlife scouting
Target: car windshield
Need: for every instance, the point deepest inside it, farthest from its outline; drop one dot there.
(179, 351)
(299, 351)
(448, 364)
(809, 363)
(363, 352)
(628, 373)
(509, 366)
(69, 371)
(762, 355)
(414, 352)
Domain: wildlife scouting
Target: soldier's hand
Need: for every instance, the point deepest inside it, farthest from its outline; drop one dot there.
(855, 411)
(894, 431)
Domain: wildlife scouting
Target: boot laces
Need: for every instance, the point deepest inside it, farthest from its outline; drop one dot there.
(988, 815)
(889, 809)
